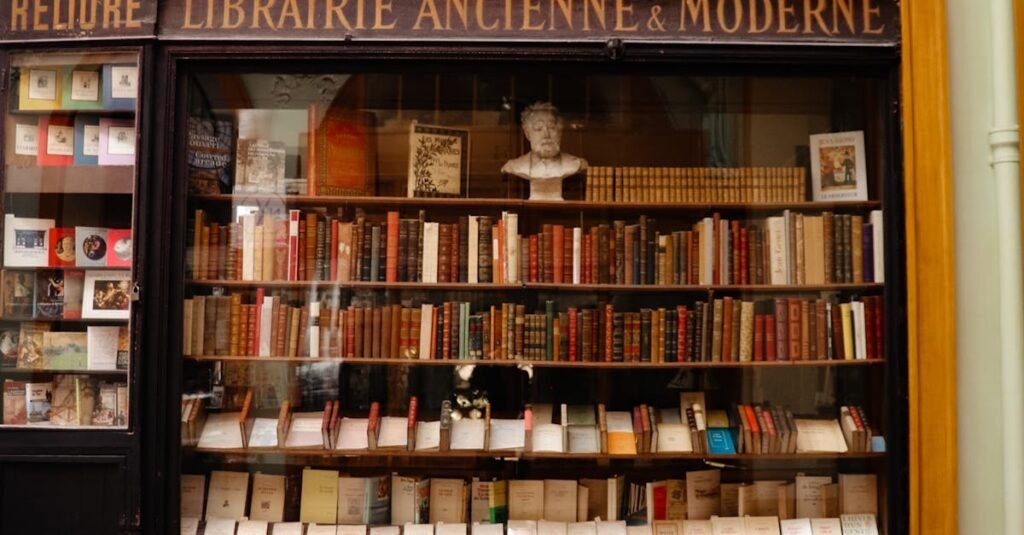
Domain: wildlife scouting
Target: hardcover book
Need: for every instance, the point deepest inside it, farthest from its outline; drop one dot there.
(39, 88)
(209, 155)
(14, 403)
(65, 350)
(19, 294)
(438, 161)
(9, 347)
(38, 397)
(87, 139)
(227, 495)
(91, 247)
(102, 347)
(73, 400)
(342, 152)
(839, 167)
(56, 141)
(120, 86)
(259, 165)
(30, 344)
(80, 89)
(120, 242)
(26, 241)
(117, 142)
(49, 287)
(61, 247)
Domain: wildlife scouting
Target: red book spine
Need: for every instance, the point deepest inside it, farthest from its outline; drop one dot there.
(250, 315)
(716, 271)
(769, 337)
(572, 334)
(585, 268)
(752, 418)
(608, 332)
(781, 329)
(557, 253)
(413, 408)
(533, 258)
(795, 334)
(759, 337)
(453, 264)
(744, 258)
(734, 252)
(446, 338)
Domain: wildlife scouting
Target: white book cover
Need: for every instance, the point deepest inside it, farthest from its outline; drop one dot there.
(316, 529)
(314, 329)
(507, 434)
(446, 528)
(522, 527)
(394, 432)
(488, 529)
(27, 241)
(858, 524)
(577, 254)
(496, 276)
(511, 247)
(426, 327)
(352, 434)
(810, 496)
(351, 498)
(417, 529)
(287, 528)
(762, 525)
(474, 250)
(728, 525)
(351, 529)
(221, 431)
(859, 332)
(819, 436)
(709, 251)
(788, 241)
(385, 530)
(878, 244)
(101, 344)
(305, 430)
(547, 438)
(611, 527)
(839, 166)
(264, 433)
(581, 528)
(220, 526)
(778, 260)
(248, 246)
(252, 527)
(826, 526)
(467, 434)
(428, 436)
(430, 244)
(545, 527)
(403, 500)
(674, 438)
(696, 527)
(796, 526)
(189, 525)
(266, 321)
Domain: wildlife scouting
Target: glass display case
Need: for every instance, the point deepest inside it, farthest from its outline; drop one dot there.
(69, 176)
(545, 298)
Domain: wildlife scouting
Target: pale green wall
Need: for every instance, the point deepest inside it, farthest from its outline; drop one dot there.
(977, 273)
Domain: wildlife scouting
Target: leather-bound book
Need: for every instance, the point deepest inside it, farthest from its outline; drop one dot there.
(415, 319)
(856, 248)
(456, 330)
(517, 330)
(681, 333)
(463, 258)
(374, 331)
(361, 345)
(604, 254)
(700, 321)
(444, 251)
(795, 316)
(691, 330)
(485, 260)
(645, 335)
(547, 240)
(234, 323)
(322, 258)
(385, 332)
(585, 330)
(586, 254)
(557, 253)
(395, 332)
(342, 152)
(366, 248)
(781, 329)
(453, 260)
(420, 220)
(524, 259)
(393, 247)
(828, 245)
(446, 331)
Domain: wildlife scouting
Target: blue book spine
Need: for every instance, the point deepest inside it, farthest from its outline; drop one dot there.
(87, 139)
(720, 441)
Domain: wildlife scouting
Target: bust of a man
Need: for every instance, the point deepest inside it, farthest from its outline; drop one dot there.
(545, 166)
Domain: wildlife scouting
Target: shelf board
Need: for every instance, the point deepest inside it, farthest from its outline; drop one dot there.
(64, 268)
(40, 371)
(527, 456)
(524, 204)
(546, 363)
(84, 321)
(51, 427)
(93, 179)
(540, 286)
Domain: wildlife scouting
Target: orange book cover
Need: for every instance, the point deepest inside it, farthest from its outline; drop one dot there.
(333, 253)
(342, 152)
(391, 253)
(396, 331)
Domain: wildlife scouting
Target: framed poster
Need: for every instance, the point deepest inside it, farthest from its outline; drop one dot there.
(438, 161)
(838, 167)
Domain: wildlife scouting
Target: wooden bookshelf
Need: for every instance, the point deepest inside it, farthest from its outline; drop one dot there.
(542, 286)
(526, 205)
(778, 364)
(94, 179)
(516, 455)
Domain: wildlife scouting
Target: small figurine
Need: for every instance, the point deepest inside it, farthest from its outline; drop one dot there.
(545, 166)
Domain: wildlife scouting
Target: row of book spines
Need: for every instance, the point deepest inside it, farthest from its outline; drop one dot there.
(727, 330)
(700, 184)
(840, 250)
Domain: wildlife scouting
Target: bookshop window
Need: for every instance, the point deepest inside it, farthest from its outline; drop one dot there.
(534, 300)
(68, 201)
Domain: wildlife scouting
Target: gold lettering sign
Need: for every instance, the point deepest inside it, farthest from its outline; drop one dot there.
(76, 19)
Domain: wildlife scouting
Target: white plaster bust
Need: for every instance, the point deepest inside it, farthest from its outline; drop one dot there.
(545, 166)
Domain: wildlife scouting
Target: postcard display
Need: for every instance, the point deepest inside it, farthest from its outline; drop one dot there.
(534, 302)
(68, 190)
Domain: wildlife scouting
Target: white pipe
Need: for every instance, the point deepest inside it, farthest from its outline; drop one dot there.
(1004, 140)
